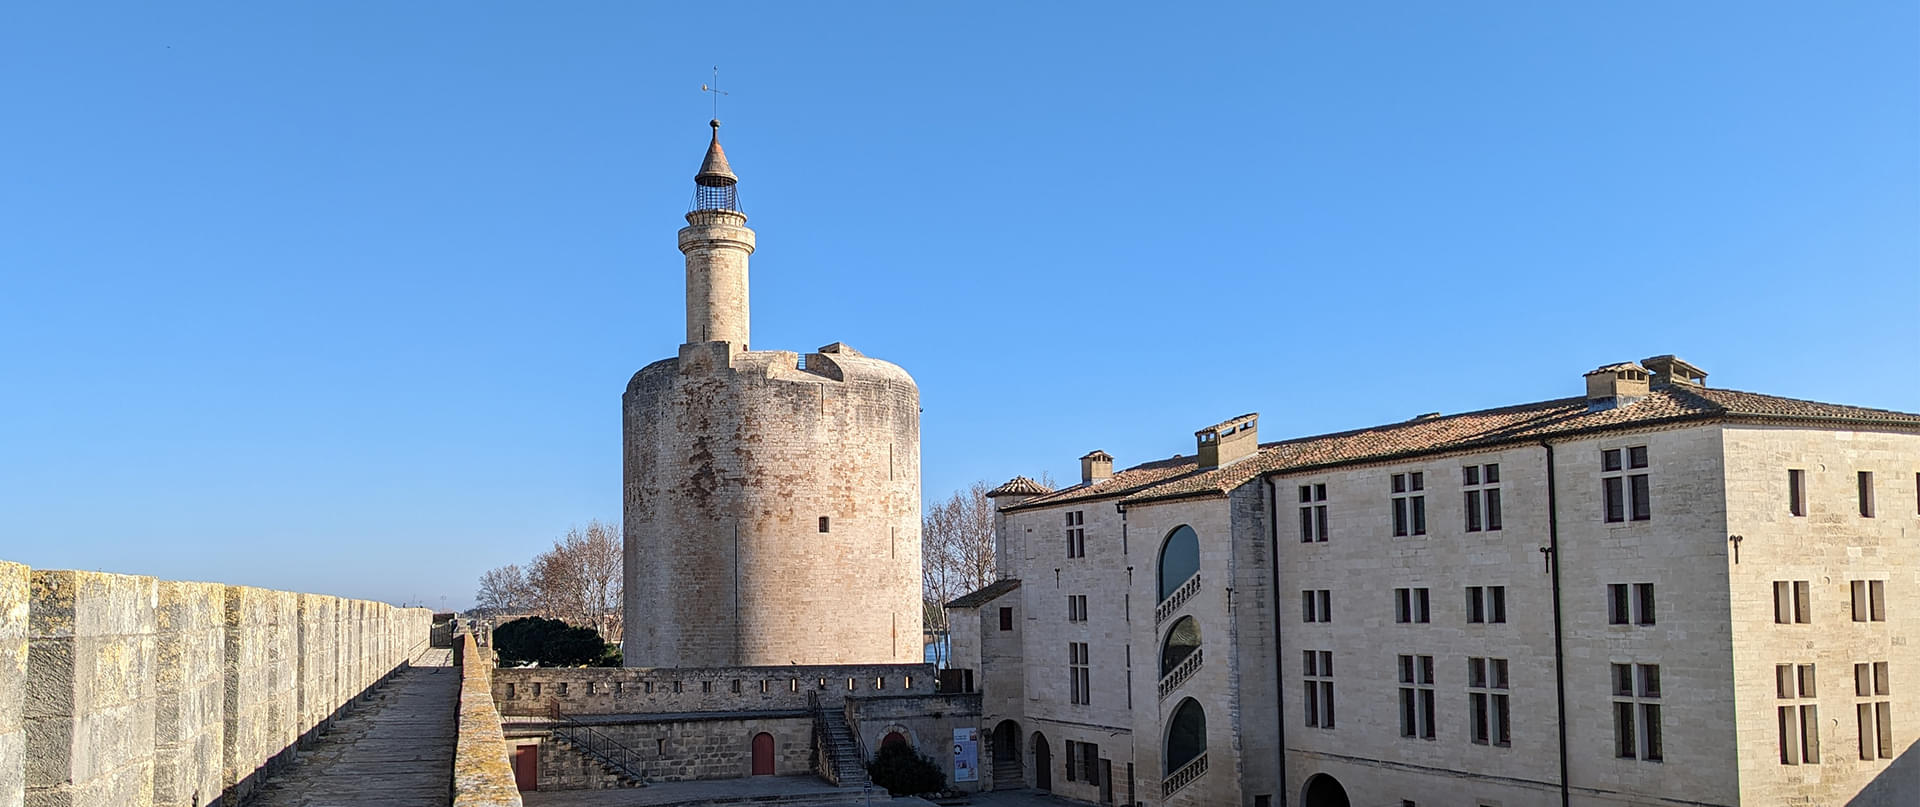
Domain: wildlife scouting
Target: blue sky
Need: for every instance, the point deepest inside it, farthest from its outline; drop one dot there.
(341, 296)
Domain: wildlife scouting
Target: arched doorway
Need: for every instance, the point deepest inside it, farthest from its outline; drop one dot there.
(1323, 791)
(1007, 770)
(893, 738)
(1186, 736)
(763, 754)
(1042, 763)
(1179, 560)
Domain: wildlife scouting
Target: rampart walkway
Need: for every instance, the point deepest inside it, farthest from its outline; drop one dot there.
(395, 749)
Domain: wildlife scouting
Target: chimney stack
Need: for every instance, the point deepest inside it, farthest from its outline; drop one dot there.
(1224, 443)
(1616, 385)
(1095, 466)
(1670, 370)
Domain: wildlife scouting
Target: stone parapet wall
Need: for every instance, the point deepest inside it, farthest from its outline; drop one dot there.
(130, 691)
(537, 691)
(13, 683)
(482, 772)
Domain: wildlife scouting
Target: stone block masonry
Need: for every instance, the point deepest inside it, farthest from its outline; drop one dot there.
(13, 682)
(127, 691)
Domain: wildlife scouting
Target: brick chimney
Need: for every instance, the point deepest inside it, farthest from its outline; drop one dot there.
(1670, 370)
(1095, 466)
(1225, 443)
(1616, 385)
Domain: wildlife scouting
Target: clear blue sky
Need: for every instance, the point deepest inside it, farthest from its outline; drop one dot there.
(342, 296)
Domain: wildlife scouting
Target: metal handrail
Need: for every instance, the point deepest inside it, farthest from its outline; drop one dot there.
(619, 756)
(859, 742)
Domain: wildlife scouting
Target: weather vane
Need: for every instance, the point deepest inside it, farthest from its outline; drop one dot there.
(715, 89)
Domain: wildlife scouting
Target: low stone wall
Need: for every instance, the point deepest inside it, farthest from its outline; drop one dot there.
(129, 691)
(535, 692)
(926, 721)
(482, 772)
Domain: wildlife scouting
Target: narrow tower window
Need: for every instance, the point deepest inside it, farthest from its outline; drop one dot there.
(823, 523)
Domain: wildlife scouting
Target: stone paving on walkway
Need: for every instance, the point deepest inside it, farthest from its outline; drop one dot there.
(395, 748)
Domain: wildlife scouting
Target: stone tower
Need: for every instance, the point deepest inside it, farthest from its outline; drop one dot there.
(772, 500)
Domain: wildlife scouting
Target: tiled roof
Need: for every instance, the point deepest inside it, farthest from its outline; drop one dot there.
(985, 594)
(1019, 486)
(1181, 476)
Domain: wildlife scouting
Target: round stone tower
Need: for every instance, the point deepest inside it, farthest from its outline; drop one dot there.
(772, 500)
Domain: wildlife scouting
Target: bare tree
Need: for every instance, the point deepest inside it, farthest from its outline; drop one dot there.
(578, 580)
(504, 589)
(956, 551)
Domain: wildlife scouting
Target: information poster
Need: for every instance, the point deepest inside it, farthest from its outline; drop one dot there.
(966, 755)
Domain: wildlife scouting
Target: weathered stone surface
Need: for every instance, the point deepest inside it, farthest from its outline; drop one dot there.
(90, 690)
(394, 748)
(482, 773)
(14, 587)
(189, 681)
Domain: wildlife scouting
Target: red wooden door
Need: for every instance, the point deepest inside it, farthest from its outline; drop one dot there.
(526, 767)
(763, 754)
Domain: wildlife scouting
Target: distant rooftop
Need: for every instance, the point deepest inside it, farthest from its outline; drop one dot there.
(1181, 477)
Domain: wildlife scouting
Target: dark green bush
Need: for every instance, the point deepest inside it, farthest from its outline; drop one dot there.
(551, 643)
(904, 771)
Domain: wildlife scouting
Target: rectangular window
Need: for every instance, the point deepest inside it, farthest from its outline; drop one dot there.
(1006, 619)
(1866, 494)
(823, 524)
(1073, 760)
(1625, 497)
(1792, 602)
(1416, 697)
(1409, 504)
(1643, 603)
(1486, 604)
(1318, 688)
(1797, 492)
(1482, 499)
(1313, 513)
(1076, 608)
(1076, 534)
(1869, 600)
(1619, 608)
(1077, 673)
(1875, 717)
(1611, 488)
(1412, 605)
(1636, 712)
(1316, 605)
(1488, 701)
(1799, 718)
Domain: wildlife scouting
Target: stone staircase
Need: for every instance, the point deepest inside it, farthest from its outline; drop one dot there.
(1007, 775)
(602, 772)
(843, 749)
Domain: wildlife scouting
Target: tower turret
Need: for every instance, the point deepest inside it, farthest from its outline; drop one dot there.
(717, 243)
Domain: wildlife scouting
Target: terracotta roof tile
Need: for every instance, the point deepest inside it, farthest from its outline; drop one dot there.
(1180, 476)
(985, 594)
(1019, 486)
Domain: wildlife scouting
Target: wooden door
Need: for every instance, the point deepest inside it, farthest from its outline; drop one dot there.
(1106, 781)
(1042, 763)
(763, 754)
(526, 767)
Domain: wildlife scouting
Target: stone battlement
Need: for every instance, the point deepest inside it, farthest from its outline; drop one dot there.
(130, 691)
(537, 691)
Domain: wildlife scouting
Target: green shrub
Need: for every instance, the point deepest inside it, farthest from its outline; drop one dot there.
(904, 771)
(550, 643)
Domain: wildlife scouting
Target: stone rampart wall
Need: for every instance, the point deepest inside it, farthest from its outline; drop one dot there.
(639, 690)
(482, 773)
(127, 691)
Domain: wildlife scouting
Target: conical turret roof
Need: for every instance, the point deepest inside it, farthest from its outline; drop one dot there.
(714, 171)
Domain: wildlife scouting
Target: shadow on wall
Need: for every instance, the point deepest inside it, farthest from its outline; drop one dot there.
(1896, 786)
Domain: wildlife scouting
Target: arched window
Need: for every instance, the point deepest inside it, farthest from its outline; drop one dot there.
(1179, 559)
(1182, 640)
(1186, 735)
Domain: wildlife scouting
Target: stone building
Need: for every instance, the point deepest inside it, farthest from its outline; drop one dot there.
(1653, 593)
(772, 560)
